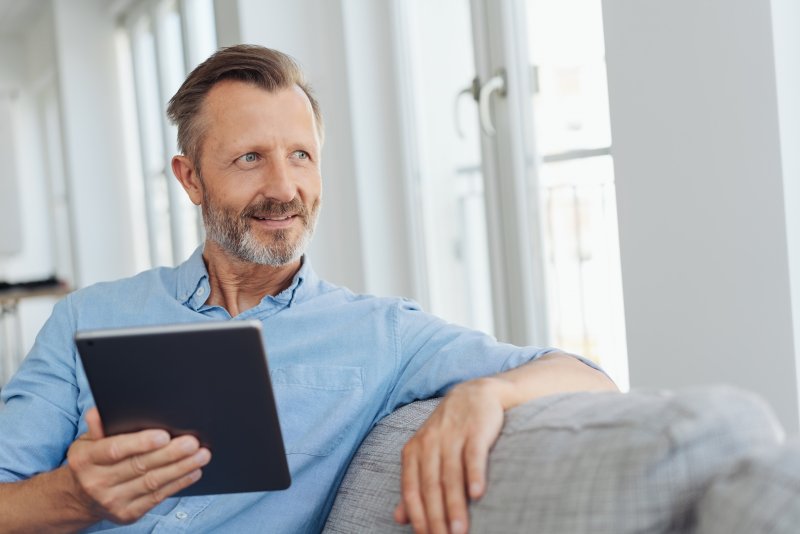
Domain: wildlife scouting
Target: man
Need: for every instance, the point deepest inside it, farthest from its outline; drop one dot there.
(250, 133)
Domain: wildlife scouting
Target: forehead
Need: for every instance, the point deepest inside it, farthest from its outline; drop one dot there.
(235, 105)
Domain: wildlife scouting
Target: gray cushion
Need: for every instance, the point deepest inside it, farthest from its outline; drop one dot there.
(576, 463)
(761, 494)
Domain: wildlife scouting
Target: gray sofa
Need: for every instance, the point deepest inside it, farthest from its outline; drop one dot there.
(706, 460)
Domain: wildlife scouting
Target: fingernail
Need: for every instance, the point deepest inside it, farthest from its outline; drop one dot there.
(474, 490)
(189, 445)
(457, 527)
(202, 456)
(160, 439)
(195, 475)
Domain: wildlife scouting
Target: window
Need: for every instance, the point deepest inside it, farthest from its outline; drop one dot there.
(165, 40)
(519, 225)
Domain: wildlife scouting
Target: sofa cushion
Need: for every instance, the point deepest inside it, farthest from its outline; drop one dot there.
(760, 494)
(576, 463)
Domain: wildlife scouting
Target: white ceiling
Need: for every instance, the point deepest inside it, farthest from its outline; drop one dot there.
(17, 15)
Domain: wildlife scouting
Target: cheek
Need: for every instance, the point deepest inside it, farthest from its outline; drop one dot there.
(229, 198)
(313, 188)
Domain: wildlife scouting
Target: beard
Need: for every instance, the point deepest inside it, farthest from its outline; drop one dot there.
(234, 232)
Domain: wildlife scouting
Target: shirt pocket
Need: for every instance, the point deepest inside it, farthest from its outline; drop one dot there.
(317, 405)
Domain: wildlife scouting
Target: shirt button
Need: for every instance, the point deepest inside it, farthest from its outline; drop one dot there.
(200, 291)
(181, 515)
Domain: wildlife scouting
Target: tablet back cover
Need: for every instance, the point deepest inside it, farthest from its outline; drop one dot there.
(206, 379)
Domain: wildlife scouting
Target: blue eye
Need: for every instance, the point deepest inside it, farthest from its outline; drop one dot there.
(250, 157)
(301, 154)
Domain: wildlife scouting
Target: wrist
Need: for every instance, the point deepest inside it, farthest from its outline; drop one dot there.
(80, 506)
(498, 388)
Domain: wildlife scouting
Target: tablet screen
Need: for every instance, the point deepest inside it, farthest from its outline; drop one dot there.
(207, 379)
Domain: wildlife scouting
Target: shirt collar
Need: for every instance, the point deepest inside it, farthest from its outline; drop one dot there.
(192, 287)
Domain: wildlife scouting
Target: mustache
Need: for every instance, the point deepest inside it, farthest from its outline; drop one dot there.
(274, 208)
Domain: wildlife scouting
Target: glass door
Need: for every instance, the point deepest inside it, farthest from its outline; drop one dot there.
(447, 178)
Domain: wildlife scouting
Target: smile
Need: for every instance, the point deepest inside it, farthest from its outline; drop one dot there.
(274, 218)
(275, 223)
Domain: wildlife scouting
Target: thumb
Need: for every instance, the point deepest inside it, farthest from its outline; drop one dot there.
(95, 425)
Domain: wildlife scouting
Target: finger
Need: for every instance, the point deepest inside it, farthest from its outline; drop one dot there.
(94, 423)
(433, 499)
(412, 498)
(130, 510)
(138, 465)
(157, 482)
(400, 515)
(148, 501)
(114, 449)
(454, 490)
(476, 457)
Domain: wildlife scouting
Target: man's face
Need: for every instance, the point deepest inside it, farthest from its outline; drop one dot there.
(260, 172)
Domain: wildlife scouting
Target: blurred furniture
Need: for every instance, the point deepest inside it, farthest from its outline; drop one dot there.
(11, 294)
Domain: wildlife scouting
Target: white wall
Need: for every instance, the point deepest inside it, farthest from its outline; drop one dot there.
(786, 32)
(700, 189)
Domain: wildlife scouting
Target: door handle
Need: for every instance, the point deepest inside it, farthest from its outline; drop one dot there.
(496, 83)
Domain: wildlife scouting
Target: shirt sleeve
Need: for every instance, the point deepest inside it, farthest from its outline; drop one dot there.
(433, 356)
(40, 416)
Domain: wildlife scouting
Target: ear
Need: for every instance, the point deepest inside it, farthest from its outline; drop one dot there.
(184, 171)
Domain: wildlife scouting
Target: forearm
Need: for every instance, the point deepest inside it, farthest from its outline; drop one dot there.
(550, 374)
(45, 503)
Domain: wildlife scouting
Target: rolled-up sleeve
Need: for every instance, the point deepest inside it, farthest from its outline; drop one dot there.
(433, 355)
(39, 418)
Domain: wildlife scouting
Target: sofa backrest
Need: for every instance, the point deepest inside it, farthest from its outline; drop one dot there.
(599, 463)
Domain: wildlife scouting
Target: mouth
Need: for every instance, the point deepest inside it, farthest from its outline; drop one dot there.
(275, 221)
(281, 218)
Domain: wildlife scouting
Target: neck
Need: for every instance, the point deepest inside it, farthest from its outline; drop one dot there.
(239, 285)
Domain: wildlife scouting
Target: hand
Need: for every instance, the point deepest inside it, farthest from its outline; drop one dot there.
(446, 459)
(122, 477)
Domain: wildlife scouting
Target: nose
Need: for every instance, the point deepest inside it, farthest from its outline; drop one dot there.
(277, 181)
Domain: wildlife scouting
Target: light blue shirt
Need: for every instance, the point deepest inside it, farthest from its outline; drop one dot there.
(339, 362)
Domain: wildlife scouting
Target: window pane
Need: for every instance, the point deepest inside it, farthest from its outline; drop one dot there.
(171, 59)
(567, 50)
(152, 141)
(173, 70)
(576, 194)
(145, 68)
(582, 258)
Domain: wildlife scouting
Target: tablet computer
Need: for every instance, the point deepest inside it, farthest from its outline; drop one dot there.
(206, 379)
